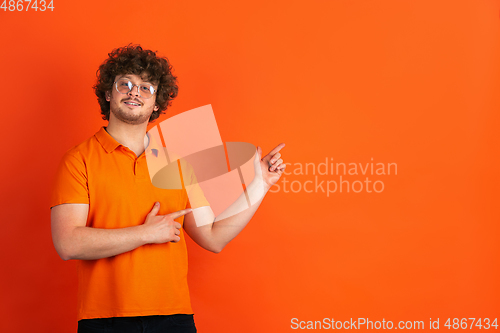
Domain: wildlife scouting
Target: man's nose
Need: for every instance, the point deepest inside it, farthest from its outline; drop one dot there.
(135, 92)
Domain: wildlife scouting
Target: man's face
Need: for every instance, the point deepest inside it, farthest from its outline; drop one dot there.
(131, 108)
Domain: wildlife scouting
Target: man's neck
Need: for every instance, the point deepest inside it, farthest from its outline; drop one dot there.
(131, 136)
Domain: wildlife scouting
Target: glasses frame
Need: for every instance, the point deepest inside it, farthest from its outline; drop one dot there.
(134, 85)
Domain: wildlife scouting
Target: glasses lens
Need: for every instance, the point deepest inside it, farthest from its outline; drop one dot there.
(123, 86)
(147, 90)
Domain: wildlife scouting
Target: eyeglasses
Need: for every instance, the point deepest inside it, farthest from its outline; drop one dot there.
(124, 86)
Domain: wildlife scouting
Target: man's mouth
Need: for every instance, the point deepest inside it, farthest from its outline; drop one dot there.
(132, 103)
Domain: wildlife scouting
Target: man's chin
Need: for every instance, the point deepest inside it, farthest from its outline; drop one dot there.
(131, 119)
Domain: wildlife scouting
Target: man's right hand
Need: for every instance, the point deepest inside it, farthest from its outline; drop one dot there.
(162, 228)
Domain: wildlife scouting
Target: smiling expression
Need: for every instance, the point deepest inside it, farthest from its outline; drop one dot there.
(131, 108)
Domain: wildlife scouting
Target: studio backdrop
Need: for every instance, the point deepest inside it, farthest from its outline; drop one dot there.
(389, 109)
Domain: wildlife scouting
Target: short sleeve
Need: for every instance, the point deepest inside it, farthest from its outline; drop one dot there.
(71, 181)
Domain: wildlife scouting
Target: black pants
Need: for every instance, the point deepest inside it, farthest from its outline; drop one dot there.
(178, 323)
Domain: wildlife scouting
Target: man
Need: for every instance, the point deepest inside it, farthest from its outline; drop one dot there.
(127, 234)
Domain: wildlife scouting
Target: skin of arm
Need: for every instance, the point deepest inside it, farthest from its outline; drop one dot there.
(74, 240)
(215, 236)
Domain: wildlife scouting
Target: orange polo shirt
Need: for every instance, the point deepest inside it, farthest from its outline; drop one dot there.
(149, 280)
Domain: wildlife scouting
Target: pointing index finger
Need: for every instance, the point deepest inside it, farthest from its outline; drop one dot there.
(276, 149)
(179, 213)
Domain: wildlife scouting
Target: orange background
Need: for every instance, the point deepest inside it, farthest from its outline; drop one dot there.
(409, 82)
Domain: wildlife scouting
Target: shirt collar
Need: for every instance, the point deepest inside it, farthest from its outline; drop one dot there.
(109, 143)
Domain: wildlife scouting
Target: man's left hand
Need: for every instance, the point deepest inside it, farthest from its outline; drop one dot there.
(272, 166)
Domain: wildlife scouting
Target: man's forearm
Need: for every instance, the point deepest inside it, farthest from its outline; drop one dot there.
(227, 228)
(88, 243)
(73, 240)
(214, 234)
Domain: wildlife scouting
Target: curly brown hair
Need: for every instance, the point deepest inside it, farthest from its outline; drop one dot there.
(132, 59)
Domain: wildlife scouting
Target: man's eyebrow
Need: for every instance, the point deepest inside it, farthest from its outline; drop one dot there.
(127, 76)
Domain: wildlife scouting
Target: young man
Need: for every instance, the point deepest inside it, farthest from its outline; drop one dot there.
(127, 234)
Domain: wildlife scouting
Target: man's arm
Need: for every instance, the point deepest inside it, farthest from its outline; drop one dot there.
(214, 236)
(74, 240)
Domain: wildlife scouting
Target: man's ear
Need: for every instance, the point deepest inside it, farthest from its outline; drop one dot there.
(108, 96)
(156, 108)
